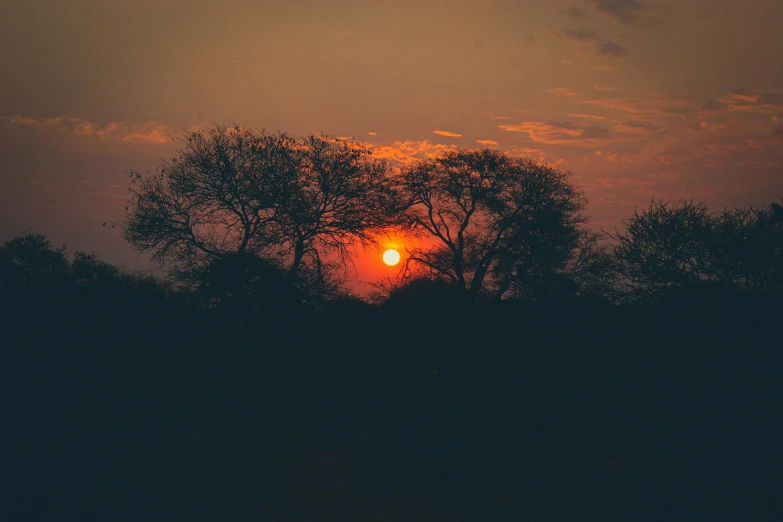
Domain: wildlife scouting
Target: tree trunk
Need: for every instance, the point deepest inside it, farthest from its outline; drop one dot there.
(298, 256)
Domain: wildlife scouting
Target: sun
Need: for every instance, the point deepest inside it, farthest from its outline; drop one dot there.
(391, 257)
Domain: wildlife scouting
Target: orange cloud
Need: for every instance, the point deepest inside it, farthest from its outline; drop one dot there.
(604, 88)
(404, 152)
(563, 133)
(562, 91)
(448, 134)
(587, 116)
(750, 101)
(150, 131)
(630, 127)
(537, 154)
(488, 143)
(654, 105)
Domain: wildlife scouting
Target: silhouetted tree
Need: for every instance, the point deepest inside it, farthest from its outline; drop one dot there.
(232, 190)
(89, 268)
(219, 196)
(497, 220)
(592, 266)
(247, 282)
(30, 261)
(749, 247)
(683, 245)
(667, 244)
(340, 196)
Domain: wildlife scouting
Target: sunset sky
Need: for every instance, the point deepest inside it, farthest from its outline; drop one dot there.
(638, 98)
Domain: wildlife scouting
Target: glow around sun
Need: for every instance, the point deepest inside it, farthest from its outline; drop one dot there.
(391, 257)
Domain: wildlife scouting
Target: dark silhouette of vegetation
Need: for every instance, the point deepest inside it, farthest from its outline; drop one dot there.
(303, 202)
(534, 371)
(683, 244)
(501, 223)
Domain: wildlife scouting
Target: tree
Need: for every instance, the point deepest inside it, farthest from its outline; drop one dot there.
(217, 197)
(749, 249)
(89, 269)
(668, 244)
(494, 219)
(300, 201)
(247, 283)
(340, 197)
(30, 261)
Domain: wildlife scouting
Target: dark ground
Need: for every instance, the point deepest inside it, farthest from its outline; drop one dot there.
(417, 411)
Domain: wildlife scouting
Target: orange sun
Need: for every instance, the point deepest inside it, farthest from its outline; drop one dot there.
(391, 257)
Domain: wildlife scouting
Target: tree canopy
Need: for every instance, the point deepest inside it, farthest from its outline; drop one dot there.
(232, 190)
(497, 221)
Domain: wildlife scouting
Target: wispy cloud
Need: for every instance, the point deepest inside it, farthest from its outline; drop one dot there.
(652, 105)
(43, 184)
(562, 91)
(632, 127)
(150, 131)
(587, 116)
(576, 12)
(564, 133)
(601, 47)
(404, 152)
(609, 49)
(746, 100)
(488, 143)
(604, 88)
(626, 11)
(528, 152)
(448, 134)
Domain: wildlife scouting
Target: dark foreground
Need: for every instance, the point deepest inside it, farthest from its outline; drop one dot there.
(419, 411)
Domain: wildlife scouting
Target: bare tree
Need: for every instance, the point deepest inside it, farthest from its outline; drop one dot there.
(492, 217)
(231, 190)
(749, 247)
(219, 196)
(667, 244)
(341, 198)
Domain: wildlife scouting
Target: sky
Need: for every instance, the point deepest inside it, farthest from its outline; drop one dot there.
(639, 99)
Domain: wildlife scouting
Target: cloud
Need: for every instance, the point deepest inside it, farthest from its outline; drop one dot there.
(537, 154)
(587, 116)
(654, 105)
(43, 184)
(609, 49)
(576, 12)
(745, 100)
(603, 48)
(488, 143)
(404, 152)
(627, 11)
(372, 133)
(44, 123)
(562, 91)
(150, 131)
(564, 133)
(604, 88)
(632, 127)
(582, 35)
(448, 134)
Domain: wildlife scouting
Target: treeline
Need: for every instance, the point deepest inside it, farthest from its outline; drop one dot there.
(526, 368)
